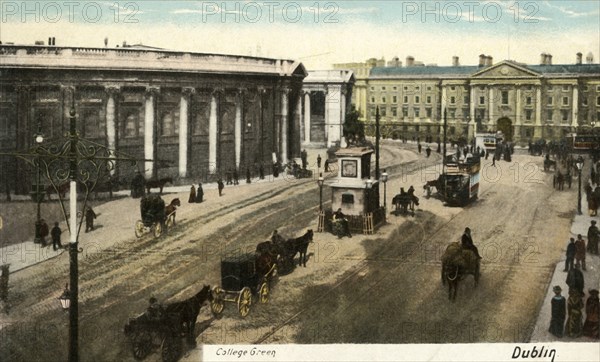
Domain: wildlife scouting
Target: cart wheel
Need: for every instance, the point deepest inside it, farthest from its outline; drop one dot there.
(157, 229)
(263, 292)
(139, 228)
(142, 345)
(244, 301)
(217, 305)
(171, 349)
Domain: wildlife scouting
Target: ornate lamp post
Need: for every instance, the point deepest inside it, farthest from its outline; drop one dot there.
(65, 298)
(384, 178)
(579, 164)
(369, 186)
(320, 182)
(39, 139)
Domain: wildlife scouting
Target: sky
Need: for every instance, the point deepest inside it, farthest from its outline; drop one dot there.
(320, 33)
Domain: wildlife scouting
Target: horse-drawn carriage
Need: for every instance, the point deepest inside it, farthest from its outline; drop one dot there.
(241, 277)
(405, 201)
(155, 215)
(163, 327)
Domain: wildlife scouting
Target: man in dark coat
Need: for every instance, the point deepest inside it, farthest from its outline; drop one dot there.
(55, 233)
(592, 321)
(220, 186)
(236, 177)
(419, 147)
(90, 215)
(199, 194)
(575, 279)
(593, 236)
(428, 151)
(318, 161)
(580, 251)
(559, 312)
(467, 242)
(304, 158)
(571, 250)
(43, 232)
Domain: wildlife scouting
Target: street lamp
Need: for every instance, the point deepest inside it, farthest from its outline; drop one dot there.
(39, 139)
(384, 178)
(65, 298)
(579, 164)
(320, 182)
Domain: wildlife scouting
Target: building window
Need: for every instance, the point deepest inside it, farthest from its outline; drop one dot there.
(565, 115)
(482, 100)
(405, 99)
(584, 102)
(550, 115)
(452, 100)
(382, 88)
(550, 88)
(417, 112)
(429, 88)
(417, 99)
(372, 88)
(383, 99)
(394, 99)
(465, 113)
(428, 100)
(598, 88)
(428, 112)
(549, 101)
(528, 113)
(405, 112)
(452, 113)
(417, 88)
(453, 88)
(372, 99)
(586, 88)
(405, 87)
(565, 88)
(565, 101)
(395, 88)
(528, 101)
(466, 100)
(394, 112)
(505, 98)
(598, 101)
(382, 111)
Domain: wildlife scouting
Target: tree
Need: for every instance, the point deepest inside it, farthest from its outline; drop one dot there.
(354, 130)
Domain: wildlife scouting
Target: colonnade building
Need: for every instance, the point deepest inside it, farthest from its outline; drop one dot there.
(525, 102)
(205, 114)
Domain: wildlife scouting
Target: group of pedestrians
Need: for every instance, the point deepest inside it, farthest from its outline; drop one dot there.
(56, 232)
(197, 195)
(571, 308)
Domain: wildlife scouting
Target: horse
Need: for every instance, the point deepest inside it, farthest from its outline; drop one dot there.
(61, 190)
(404, 200)
(171, 208)
(152, 184)
(428, 185)
(299, 245)
(186, 312)
(456, 264)
(549, 163)
(559, 181)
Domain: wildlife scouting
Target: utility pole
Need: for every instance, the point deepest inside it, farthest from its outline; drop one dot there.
(377, 135)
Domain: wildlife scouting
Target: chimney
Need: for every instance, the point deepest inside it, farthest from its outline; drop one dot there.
(489, 61)
(543, 59)
(49, 41)
(579, 58)
(481, 60)
(410, 61)
(548, 59)
(455, 62)
(589, 58)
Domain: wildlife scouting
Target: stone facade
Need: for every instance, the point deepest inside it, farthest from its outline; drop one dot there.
(201, 115)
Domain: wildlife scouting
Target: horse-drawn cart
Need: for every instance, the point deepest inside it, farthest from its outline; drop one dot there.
(241, 277)
(147, 334)
(154, 216)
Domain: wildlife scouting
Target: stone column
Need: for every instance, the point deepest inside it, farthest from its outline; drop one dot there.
(212, 133)
(491, 107)
(307, 117)
(298, 118)
(111, 126)
(284, 125)
(518, 121)
(472, 124)
(444, 102)
(537, 131)
(149, 131)
(239, 100)
(575, 116)
(183, 130)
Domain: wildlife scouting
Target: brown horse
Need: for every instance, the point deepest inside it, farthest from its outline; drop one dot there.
(152, 184)
(456, 264)
(298, 245)
(171, 208)
(184, 314)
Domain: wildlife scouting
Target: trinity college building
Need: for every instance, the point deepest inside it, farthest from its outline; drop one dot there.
(204, 114)
(525, 102)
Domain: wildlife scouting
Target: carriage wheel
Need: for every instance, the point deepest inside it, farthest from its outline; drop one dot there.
(217, 305)
(263, 292)
(158, 229)
(244, 301)
(171, 349)
(139, 228)
(142, 344)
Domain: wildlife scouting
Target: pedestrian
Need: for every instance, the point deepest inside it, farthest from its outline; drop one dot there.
(248, 175)
(575, 279)
(236, 177)
(55, 233)
(419, 147)
(229, 177)
(494, 160)
(593, 236)
(137, 185)
(220, 186)
(573, 327)
(261, 171)
(580, 251)
(43, 232)
(428, 151)
(559, 312)
(192, 198)
(199, 194)
(90, 215)
(487, 153)
(304, 158)
(275, 169)
(318, 161)
(327, 165)
(592, 308)
(571, 249)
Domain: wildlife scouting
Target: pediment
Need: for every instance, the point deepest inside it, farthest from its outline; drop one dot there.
(506, 69)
